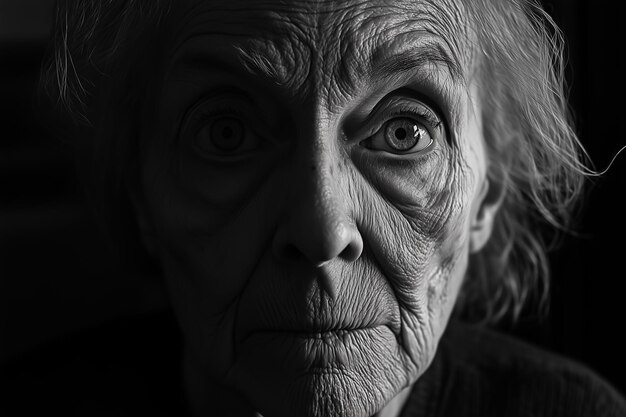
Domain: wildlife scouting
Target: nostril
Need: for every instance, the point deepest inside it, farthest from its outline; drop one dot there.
(291, 252)
(347, 246)
(350, 253)
(317, 235)
(354, 248)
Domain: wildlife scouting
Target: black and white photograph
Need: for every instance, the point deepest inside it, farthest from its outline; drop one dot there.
(312, 208)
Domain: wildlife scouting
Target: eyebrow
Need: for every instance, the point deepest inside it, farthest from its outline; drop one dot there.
(384, 65)
(381, 65)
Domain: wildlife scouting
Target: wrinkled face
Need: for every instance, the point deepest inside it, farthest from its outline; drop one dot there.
(311, 187)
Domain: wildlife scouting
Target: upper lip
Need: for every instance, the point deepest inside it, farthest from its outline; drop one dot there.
(309, 333)
(306, 310)
(315, 330)
(312, 330)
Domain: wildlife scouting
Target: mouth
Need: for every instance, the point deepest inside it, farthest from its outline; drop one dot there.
(312, 333)
(314, 349)
(318, 332)
(327, 334)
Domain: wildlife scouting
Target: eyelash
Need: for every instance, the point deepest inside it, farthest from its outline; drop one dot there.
(426, 117)
(207, 114)
(419, 112)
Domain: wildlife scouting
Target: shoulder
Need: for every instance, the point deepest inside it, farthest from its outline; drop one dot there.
(505, 376)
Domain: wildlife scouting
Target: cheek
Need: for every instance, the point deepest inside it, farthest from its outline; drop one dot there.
(416, 228)
(210, 219)
(415, 215)
(207, 249)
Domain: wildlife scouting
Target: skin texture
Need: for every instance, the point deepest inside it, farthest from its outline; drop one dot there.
(313, 269)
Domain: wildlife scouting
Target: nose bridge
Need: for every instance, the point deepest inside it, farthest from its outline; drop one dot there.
(318, 196)
(317, 223)
(318, 160)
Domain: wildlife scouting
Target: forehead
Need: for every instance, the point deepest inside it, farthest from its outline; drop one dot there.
(326, 44)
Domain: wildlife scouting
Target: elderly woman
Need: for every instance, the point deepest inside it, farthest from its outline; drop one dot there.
(324, 184)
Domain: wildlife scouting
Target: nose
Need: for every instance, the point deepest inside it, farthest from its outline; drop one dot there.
(317, 226)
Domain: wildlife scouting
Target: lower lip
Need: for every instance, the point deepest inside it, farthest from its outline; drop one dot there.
(310, 351)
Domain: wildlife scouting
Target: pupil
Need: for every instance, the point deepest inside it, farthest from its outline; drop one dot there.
(227, 132)
(400, 133)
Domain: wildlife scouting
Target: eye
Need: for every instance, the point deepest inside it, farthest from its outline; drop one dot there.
(404, 134)
(225, 134)
(401, 136)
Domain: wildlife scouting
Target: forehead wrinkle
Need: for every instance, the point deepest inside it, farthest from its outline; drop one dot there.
(265, 42)
(375, 28)
(453, 24)
(326, 47)
(347, 42)
(449, 23)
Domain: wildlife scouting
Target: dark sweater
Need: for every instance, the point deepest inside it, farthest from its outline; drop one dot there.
(481, 373)
(131, 368)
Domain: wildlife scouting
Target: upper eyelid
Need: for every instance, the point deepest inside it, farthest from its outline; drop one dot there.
(217, 111)
(385, 110)
(408, 111)
(430, 103)
(423, 100)
(221, 95)
(259, 110)
(225, 96)
(210, 105)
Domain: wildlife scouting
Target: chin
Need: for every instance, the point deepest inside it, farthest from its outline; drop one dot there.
(323, 393)
(347, 374)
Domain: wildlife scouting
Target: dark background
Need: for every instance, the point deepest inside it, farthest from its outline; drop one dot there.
(56, 277)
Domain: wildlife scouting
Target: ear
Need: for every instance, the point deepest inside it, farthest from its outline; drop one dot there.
(486, 206)
(146, 229)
